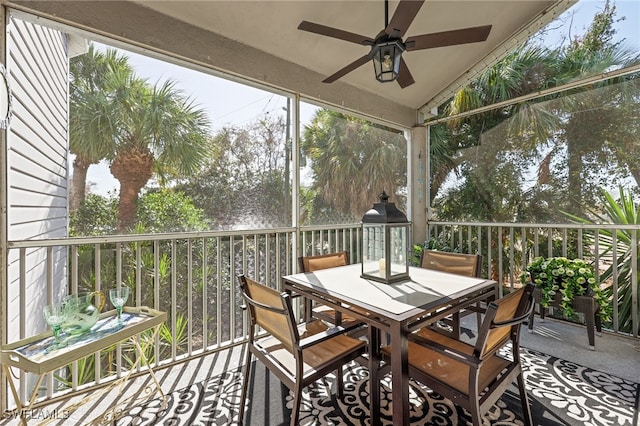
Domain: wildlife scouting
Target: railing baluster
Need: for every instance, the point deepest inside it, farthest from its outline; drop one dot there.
(523, 260)
(138, 295)
(634, 280)
(106, 294)
(596, 249)
(50, 300)
(267, 260)
(580, 253)
(511, 257)
(205, 294)
(219, 292)
(97, 287)
(173, 314)
(189, 296)
(489, 252)
(231, 271)
(74, 290)
(500, 257)
(614, 253)
(156, 292)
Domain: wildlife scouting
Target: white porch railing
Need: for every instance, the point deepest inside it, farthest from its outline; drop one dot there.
(507, 248)
(192, 277)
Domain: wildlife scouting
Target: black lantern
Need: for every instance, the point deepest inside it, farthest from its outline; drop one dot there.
(386, 60)
(385, 237)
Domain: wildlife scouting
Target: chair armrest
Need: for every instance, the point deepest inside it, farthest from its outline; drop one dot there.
(513, 321)
(446, 350)
(326, 335)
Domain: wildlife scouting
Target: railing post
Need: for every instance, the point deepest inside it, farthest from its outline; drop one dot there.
(634, 282)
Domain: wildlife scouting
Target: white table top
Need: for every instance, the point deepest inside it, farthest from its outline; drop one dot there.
(427, 289)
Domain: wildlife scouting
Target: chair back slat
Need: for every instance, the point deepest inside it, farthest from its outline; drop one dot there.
(277, 320)
(468, 265)
(323, 261)
(498, 324)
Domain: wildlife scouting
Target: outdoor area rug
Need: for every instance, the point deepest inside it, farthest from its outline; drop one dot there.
(560, 393)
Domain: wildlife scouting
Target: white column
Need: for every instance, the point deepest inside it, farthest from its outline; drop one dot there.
(417, 182)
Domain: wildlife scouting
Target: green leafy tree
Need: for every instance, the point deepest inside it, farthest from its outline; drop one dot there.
(244, 182)
(575, 141)
(89, 141)
(96, 215)
(163, 210)
(353, 161)
(167, 210)
(142, 129)
(461, 146)
(592, 111)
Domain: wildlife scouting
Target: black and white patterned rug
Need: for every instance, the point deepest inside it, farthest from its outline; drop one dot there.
(560, 393)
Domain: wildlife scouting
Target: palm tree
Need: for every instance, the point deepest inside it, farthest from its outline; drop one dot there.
(571, 129)
(353, 161)
(159, 130)
(142, 129)
(525, 70)
(89, 142)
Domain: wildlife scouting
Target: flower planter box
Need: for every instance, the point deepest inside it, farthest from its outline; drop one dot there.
(586, 305)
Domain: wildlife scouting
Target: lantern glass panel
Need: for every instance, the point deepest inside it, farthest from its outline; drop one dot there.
(373, 250)
(398, 255)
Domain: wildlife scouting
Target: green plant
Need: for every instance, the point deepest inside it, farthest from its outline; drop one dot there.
(166, 339)
(624, 211)
(430, 244)
(569, 278)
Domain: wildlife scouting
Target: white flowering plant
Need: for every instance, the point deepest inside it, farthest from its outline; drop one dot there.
(567, 278)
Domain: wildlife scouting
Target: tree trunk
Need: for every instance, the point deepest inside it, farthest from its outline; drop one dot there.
(133, 169)
(575, 135)
(627, 155)
(78, 183)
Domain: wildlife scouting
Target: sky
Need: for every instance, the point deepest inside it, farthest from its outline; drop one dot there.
(228, 102)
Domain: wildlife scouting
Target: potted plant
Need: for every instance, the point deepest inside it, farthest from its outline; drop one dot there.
(561, 280)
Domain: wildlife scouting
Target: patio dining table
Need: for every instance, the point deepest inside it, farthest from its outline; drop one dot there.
(397, 309)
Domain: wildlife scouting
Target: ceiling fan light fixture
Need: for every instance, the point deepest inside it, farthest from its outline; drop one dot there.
(386, 60)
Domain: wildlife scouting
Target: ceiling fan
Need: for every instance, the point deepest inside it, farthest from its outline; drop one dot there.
(387, 46)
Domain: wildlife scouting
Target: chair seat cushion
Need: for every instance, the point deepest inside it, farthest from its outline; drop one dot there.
(448, 370)
(316, 356)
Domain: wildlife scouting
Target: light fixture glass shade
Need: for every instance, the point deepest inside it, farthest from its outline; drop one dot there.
(386, 60)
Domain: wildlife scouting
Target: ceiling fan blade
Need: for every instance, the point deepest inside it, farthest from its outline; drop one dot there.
(448, 38)
(403, 17)
(352, 66)
(335, 33)
(404, 78)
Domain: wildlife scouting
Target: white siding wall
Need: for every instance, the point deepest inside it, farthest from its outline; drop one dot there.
(37, 182)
